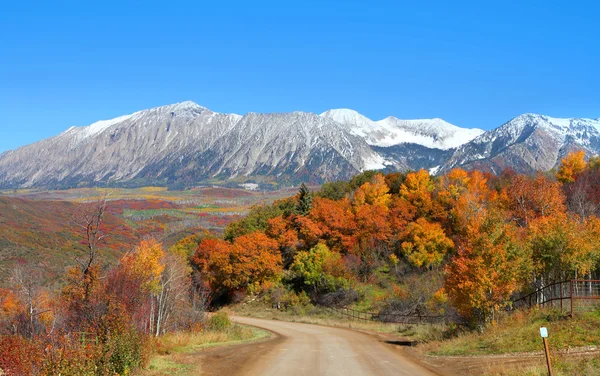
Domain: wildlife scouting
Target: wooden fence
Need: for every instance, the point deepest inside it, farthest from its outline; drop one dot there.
(389, 317)
(573, 295)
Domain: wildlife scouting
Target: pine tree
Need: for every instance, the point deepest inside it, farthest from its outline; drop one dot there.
(304, 201)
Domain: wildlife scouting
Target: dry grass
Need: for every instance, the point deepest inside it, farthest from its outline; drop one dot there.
(173, 350)
(561, 366)
(519, 332)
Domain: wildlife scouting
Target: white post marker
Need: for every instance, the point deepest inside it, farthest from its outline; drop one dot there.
(544, 335)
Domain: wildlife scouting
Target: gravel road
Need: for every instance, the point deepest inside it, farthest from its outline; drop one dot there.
(304, 349)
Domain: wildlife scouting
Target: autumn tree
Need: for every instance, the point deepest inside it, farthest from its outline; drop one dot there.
(375, 192)
(571, 166)
(583, 195)
(425, 244)
(530, 197)
(417, 189)
(251, 260)
(562, 247)
(337, 222)
(486, 271)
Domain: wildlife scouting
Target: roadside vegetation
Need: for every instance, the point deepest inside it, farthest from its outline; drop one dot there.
(174, 352)
(518, 332)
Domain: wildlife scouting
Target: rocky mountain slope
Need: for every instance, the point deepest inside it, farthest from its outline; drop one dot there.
(186, 144)
(527, 143)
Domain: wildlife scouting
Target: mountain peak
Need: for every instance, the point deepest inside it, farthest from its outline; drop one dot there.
(347, 116)
(181, 106)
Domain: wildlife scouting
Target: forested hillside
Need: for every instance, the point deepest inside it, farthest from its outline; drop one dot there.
(464, 242)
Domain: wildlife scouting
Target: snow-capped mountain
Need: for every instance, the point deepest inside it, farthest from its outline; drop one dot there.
(527, 143)
(431, 133)
(187, 144)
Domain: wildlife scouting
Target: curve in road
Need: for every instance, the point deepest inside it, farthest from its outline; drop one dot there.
(315, 350)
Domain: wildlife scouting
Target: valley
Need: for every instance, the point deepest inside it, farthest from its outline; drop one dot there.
(40, 228)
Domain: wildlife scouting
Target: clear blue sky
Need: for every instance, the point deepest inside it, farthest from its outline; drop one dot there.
(475, 64)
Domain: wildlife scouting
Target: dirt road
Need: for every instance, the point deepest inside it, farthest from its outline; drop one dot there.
(304, 349)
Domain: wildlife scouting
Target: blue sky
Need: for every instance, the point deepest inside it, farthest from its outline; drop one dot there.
(475, 64)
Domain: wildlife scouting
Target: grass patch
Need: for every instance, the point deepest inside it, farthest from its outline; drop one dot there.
(174, 351)
(561, 366)
(519, 332)
(177, 343)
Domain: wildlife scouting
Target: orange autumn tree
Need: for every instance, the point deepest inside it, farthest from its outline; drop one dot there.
(337, 223)
(571, 165)
(529, 197)
(250, 261)
(487, 270)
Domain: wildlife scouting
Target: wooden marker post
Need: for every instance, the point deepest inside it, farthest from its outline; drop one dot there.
(544, 334)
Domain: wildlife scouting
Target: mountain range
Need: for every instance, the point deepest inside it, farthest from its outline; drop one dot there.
(185, 144)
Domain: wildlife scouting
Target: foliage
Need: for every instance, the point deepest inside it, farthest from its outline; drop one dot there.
(320, 269)
(258, 217)
(486, 271)
(571, 166)
(219, 321)
(251, 259)
(304, 201)
(425, 243)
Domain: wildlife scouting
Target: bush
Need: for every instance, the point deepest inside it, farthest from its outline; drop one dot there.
(19, 356)
(339, 298)
(220, 321)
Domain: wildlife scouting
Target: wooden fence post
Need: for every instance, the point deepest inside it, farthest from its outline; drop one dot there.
(561, 296)
(571, 291)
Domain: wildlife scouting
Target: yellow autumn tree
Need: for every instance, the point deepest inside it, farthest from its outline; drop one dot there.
(417, 189)
(375, 192)
(571, 166)
(425, 243)
(145, 263)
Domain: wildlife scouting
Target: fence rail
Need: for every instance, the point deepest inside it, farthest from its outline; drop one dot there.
(389, 317)
(565, 295)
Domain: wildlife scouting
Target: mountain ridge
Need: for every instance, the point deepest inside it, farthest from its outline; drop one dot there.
(187, 144)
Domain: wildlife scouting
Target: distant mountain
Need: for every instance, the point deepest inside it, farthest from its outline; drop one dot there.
(431, 133)
(188, 143)
(527, 143)
(185, 144)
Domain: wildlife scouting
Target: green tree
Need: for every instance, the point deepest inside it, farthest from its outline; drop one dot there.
(304, 201)
(319, 268)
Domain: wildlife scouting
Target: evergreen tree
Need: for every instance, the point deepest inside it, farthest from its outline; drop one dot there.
(304, 201)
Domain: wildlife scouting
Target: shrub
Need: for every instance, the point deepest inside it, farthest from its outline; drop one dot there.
(220, 321)
(19, 356)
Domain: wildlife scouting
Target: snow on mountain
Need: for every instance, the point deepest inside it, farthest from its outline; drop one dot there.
(431, 133)
(188, 142)
(529, 142)
(361, 125)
